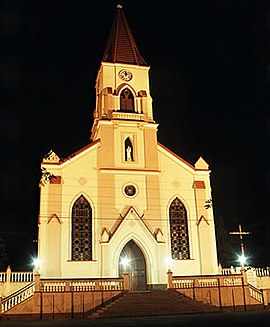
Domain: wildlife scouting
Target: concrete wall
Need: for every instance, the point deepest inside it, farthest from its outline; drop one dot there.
(58, 305)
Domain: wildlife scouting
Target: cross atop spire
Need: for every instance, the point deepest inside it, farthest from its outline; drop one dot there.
(121, 46)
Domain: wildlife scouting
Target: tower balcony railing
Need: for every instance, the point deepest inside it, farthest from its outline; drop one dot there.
(128, 115)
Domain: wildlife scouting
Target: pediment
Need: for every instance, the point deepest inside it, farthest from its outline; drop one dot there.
(201, 164)
(131, 221)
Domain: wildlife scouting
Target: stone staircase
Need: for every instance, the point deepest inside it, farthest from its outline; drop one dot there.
(152, 303)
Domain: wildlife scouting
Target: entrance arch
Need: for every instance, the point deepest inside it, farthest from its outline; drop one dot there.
(135, 265)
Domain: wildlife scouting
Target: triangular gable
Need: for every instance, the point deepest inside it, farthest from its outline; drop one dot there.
(202, 218)
(105, 235)
(51, 157)
(201, 164)
(175, 156)
(54, 216)
(131, 210)
(74, 155)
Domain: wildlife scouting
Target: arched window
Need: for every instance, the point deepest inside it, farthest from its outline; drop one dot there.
(81, 230)
(179, 230)
(128, 150)
(126, 100)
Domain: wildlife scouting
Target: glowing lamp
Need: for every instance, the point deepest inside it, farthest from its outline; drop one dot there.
(36, 263)
(242, 259)
(168, 262)
(124, 262)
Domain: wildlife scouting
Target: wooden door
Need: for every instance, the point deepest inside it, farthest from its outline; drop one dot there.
(135, 266)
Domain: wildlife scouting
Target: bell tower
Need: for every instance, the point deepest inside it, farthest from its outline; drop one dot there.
(123, 117)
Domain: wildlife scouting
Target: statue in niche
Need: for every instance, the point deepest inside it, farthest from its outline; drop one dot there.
(128, 150)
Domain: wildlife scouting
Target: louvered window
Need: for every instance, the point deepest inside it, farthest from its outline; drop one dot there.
(126, 100)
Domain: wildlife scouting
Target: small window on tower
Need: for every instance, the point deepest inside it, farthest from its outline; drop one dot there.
(126, 101)
(128, 150)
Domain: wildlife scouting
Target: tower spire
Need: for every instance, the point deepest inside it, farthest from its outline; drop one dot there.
(121, 46)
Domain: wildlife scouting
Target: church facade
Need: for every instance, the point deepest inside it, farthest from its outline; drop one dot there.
(125, 201)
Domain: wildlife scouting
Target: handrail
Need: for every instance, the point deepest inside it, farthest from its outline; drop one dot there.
(255, 293)
(17, 297)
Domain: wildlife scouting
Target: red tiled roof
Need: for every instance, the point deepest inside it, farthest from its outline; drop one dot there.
(121, 46)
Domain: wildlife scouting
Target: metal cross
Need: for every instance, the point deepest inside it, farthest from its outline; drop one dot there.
(241, 233)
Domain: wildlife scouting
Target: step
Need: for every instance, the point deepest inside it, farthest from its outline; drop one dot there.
(151, 303)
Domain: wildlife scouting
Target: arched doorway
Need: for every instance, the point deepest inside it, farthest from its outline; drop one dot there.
(132, 260)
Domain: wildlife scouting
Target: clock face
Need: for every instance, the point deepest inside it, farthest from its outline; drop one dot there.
(125, 75)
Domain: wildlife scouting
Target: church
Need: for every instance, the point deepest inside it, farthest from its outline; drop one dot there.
(125, 202)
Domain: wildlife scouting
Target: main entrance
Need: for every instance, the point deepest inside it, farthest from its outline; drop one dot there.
(132, 260)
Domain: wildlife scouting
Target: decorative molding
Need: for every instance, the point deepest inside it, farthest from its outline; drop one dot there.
(202, 218)
(51, 157)
(46, 177)
(199, 185)
(105, 235)
(52, 217)
(159, 235)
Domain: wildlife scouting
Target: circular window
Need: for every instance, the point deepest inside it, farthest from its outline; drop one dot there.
(130, 190)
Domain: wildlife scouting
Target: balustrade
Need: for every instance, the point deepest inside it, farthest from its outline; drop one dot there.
(232, 281)
(208, 282)
(3, 277)
(82, 286)
(261, 272)
(18, 297)
(256, 294)
(20, 277)
(182, 283)
(53, 286)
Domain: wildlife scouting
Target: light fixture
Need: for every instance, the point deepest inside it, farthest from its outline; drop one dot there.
(168, 262)
(242, 259)
(36, 263)
(124, 262)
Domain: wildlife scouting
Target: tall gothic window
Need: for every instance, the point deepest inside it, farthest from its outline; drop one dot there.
(128, 150)
(179, 230)
(81, 230)
(126, 100)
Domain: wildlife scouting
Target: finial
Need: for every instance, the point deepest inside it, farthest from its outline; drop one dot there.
(118, 6)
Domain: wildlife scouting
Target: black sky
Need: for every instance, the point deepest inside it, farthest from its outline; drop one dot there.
(210, 84)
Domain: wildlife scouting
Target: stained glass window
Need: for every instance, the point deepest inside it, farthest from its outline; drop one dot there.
(81, 230)
(179, 230)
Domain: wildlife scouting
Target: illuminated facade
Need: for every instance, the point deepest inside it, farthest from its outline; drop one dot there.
(125, 195)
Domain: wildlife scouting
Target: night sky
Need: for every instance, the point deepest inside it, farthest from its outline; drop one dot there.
(210, 84)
